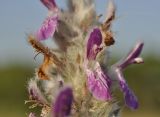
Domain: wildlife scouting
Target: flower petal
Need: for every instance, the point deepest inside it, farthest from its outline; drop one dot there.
(48, 28)
(98, 84)
(130, 98)
(132, 56)
(63, 103)
(93, 44)
(50, 4)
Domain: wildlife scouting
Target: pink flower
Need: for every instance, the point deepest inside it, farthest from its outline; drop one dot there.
(48, 28)
(50, 24)
(98, 83)
(50, 4)
(93, 44)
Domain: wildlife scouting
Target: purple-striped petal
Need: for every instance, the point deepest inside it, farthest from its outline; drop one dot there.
(133, 56)
(48, 28)
(93, 44)
(50, 4)
(130, 98)
(63, 103)
(98, 83)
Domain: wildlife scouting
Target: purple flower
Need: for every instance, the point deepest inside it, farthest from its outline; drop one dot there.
(50, 24)
(50, 4)
(130, 98)
(93, 44)
(98, 83)
(132, 58)
(63, 103)
(48, 28)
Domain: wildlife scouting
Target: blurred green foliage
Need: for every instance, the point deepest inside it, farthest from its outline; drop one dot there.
(144, 79)
(13, 82)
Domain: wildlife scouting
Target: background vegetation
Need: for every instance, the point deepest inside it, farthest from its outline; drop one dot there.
(143, 79)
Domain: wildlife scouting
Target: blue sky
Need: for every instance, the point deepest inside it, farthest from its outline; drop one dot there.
(136, 20)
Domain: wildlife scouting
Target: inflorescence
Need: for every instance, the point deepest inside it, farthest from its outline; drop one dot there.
(75, 78)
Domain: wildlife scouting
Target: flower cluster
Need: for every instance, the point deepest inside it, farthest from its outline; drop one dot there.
(75, 78)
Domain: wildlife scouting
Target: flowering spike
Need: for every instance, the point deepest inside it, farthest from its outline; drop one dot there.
(50, 4)
(63, 103)
(98, 83)
(91, 78)
(93, 44)
(48, 28)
